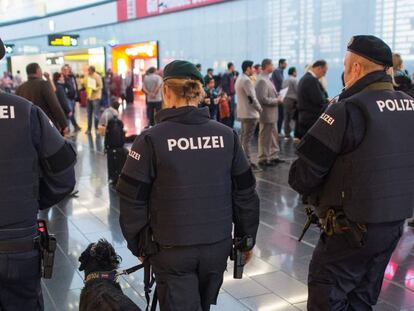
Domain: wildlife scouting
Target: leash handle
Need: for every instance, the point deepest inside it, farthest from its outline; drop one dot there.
(130, 270)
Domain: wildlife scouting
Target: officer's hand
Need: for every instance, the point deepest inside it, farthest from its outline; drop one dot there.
(141, 259)
(249, 256)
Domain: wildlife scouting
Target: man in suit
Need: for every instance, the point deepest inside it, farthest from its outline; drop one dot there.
(277, 78)
(248, 108)
(312, 99)
(269, 100)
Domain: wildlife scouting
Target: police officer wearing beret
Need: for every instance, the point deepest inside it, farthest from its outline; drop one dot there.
(36, 169)
(188, 179)
(358, 172)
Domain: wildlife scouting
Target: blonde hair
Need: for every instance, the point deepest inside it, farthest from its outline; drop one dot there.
(396, 61)
(190, 90)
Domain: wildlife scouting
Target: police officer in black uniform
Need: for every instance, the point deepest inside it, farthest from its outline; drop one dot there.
(189, 178)
(358, 170)
(36, 169)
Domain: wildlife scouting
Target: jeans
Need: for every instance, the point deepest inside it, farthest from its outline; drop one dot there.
(72, 104)
(94, 109)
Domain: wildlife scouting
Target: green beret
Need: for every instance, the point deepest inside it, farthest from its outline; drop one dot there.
(181, 69)
(2, 50)
(371, 48)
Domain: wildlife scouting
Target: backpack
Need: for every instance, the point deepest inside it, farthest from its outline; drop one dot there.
(114, 134)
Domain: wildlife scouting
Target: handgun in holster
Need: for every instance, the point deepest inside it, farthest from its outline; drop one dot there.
(353, 232)
(47, 245)
(238, 254)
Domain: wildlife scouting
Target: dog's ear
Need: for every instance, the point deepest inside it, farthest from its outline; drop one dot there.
(107, 254)
(84, 257)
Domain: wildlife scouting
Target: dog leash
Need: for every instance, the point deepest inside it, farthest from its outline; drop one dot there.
(130, 270)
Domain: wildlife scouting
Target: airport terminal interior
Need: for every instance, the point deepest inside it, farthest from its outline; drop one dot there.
(122, 40)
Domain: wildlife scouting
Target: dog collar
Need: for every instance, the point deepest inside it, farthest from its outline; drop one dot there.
(102, 275)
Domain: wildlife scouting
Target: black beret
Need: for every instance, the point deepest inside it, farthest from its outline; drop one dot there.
(2, 49)
(181, 69)
(371, 48)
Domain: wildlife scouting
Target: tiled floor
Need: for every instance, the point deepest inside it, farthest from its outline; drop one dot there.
(274, 280)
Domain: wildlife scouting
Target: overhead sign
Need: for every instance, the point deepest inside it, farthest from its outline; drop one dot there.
(63, 40)
(9, 48)
(129, 9)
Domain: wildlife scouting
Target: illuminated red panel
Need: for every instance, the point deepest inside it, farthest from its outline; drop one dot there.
(391, 270)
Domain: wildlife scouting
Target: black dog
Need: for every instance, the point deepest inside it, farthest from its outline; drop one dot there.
(101, 291)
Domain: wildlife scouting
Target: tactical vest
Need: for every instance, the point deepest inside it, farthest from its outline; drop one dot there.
(191, 197)
(18, 166)
(375, 182)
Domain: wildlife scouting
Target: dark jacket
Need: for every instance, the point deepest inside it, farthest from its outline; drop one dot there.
(403, 82)
(351, 158)
(62, 98)
(71, 87)
(37, 166)
(228, 83)
(190, 175)
(277, 79)
(40, 93)
(312, 101)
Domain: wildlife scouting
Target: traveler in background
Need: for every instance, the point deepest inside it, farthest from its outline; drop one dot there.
(115, 88)
(248, 108)
(312, 100)
(152, 87)
(256, 71)
(199, 68)
(17, 79)
(268, 154)
(107, 115)
(6, 83)
(128, 88)
(228, 81)
(402, 79)
(59, 82)
(42, 94)
(277, 78)
(93, 85)
(72, 93)
(210, 100)
(210, 74)
(290, 103)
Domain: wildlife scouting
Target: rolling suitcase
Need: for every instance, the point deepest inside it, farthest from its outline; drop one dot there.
(116, 160)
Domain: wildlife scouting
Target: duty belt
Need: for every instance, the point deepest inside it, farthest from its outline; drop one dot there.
(18, 245)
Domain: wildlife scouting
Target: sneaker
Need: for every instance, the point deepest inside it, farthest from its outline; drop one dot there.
(255, 168)
(287, 138)
(296, 140)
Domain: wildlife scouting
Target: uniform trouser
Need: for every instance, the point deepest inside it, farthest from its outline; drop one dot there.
(248, 128)
(268, 142)
(94, 110)
(20, 282)
(152, 108)
(342, 278)
(189, 278)
(290, 110)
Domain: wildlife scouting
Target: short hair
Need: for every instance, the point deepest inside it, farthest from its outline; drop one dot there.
(56, 77)
(229, 65)
(257, 66)
(266, 62)
(291, 71)
(282, 61)
(210, 70)
(32, 68)
(208, 80)
(92, 68)
(246, 64)
(151, 70)
(198, 66)
(18, 71)
(319, 63)
(397, 60)
(114, 103)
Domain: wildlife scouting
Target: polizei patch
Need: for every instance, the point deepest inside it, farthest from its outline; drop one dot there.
(396, 105)
(7, 112)
(196, 143)
(327, 118)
